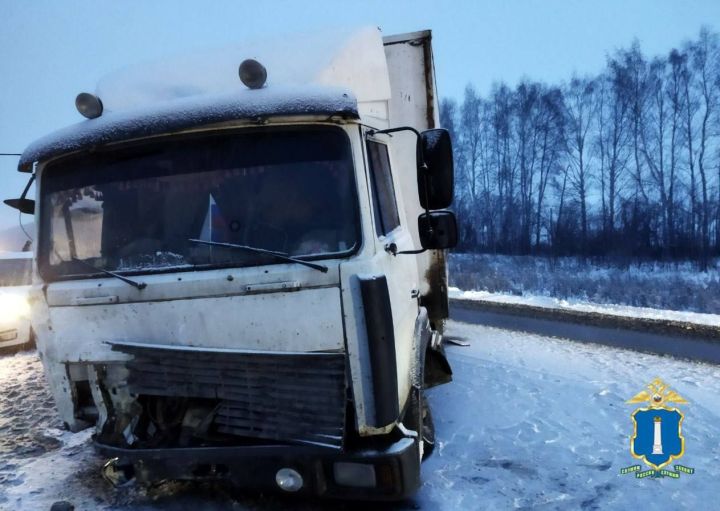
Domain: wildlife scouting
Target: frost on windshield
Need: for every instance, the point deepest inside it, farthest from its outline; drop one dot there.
(150, 261)
(77, 217)
(289, 191)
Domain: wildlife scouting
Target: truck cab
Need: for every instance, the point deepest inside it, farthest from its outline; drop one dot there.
(245, 279)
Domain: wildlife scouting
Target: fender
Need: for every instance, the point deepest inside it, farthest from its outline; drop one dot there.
(381, 344)
(432, 367)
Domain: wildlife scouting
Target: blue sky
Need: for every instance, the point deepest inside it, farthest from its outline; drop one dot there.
(52, 50)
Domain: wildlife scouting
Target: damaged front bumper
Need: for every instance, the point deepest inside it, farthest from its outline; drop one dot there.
(387, 473)
(261, 420)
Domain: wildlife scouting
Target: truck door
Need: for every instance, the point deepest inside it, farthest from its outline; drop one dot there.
(401, 272)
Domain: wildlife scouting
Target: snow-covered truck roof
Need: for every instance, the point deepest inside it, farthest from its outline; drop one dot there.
(187, 113)
(337, 72)
(349, 58)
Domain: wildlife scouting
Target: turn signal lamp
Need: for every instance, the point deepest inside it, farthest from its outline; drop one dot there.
(357, 475)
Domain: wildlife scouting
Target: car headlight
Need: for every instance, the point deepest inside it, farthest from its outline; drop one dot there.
(13, 307)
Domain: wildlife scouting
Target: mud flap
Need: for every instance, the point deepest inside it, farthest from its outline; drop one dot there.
(437, 367)
(432, 367)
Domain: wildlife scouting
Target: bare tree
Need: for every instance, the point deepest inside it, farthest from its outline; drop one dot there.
(690, 109)
(526, 106)
(470, 144)
(654, 135)
(505, 161)
(612, 141)
(580, 109)
(674, 91)
(551, 125)
(704, 61)
(627, 162)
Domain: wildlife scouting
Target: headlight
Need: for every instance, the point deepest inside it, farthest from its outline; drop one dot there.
(13, 307)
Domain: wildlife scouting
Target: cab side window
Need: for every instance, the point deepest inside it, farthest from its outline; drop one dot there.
(383, 191)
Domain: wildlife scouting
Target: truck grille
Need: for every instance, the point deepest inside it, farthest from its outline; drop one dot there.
(296, 397)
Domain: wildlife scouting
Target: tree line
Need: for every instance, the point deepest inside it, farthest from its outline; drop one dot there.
(625, 163)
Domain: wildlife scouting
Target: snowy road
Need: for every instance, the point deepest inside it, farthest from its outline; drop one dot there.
(529, 422)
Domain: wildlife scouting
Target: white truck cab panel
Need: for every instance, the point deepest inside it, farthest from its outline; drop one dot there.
(239, 274)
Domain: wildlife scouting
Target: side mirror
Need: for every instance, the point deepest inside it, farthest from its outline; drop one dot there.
(436, 181)
(438, 230)
(23, 205)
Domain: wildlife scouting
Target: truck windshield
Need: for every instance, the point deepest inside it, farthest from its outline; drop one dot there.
(135, 210)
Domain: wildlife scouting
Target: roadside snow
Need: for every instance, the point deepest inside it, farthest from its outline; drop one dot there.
(535, 422)
(668, 286)
(529, 422)
(548, 302)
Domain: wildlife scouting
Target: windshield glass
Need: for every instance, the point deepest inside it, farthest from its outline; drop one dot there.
(15, 272)
(135, 210)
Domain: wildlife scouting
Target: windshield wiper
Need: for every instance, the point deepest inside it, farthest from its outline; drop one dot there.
(133, 283)
(277, 255)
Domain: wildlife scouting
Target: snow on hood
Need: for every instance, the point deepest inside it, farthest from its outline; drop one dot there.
(185, 113)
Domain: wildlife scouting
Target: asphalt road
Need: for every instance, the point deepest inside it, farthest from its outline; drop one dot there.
(702, 344)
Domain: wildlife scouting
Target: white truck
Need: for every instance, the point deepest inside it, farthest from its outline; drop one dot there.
(245, 279)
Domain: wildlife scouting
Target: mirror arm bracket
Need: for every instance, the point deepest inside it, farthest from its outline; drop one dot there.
(422, 166)
(27, 186)
(391, 248)
(420, 251)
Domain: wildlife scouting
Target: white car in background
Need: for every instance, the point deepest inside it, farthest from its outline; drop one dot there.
(15, 280)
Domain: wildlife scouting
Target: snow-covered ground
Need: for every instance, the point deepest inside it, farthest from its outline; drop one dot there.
(532, 421)
(664, 286)
(549, 302)
(529, 422)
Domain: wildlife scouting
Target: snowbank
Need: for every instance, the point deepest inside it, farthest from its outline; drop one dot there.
(624, 311)
(655, 285)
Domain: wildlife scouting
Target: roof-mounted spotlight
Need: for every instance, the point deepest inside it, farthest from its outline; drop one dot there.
(252, 73)
(89, 105)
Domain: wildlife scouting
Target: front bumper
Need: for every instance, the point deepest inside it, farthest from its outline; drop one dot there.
(397, 467)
